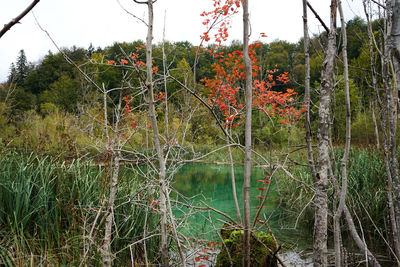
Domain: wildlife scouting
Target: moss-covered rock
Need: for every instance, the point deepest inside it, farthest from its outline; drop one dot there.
(262, 247)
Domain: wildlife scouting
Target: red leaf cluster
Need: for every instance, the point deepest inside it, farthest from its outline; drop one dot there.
(135, 60)
(218, 19)
(229, 75)
(128, 100)
(160, 96)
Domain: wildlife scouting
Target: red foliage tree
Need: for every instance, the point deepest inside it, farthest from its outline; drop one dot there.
(225, 87)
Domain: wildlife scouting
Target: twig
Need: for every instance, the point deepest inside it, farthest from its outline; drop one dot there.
(206, 208)
(263, 200)
(136, 242)
(133, 15)
(297, 180)
(379, 4)
(17, 19)
(318, 17)
(67, 58)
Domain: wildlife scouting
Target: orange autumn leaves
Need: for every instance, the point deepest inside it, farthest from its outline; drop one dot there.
(225, 87)
(203, 256)
(134, 59)
(218, 19)
(229, 71)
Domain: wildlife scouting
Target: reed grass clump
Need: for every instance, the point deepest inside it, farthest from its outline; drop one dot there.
(48, 212)
(365, 195)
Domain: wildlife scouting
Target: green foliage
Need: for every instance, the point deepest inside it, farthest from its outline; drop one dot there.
(295, 205)
(48, 208)
(366, 192)
(273, 134)
(203, 128)
(48, 108)
(362, 129)
(51, 69)
(48, 134)
(281, 55)
(23, 100)
(63, 93)
(356, 34)
(53, 80)
(20, 72)
(339, 107)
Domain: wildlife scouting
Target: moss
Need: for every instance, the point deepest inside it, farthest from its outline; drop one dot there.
(262, 246)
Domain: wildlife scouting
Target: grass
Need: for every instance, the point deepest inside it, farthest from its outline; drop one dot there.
(366, 193)
(47, 209)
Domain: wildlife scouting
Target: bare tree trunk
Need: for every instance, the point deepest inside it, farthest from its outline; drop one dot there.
(395, 35)
(107, 253)
(395, 49)
(307, 100)
(391, 103)
(373, 71)
(341, 194)
(113, 149)
(321, 184)
(361, 245)
(372, 107)
(247, 163)
(239, 217)
(157, 143)
(353, 231)
(383, 123)
(390, 144)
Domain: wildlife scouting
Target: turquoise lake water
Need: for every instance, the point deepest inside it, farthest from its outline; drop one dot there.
(211, 183)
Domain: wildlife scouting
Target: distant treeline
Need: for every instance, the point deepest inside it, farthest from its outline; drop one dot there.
(54, 83)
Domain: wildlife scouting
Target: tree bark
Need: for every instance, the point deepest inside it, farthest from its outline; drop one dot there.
(376, 130)
(112, 148)
(390, 144)
(395, 49)
(247, 163)
(157, 143)
(383, 124)
(107, 253)
(341, 193)
(307, 99)
(232, 167)
(321, 183)
(361, 245)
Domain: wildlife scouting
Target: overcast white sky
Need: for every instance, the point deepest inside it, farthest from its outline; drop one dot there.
(102, 22)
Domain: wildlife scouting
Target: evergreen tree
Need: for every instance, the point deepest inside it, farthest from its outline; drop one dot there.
(13, 74)
(90, 50)
(22, 68)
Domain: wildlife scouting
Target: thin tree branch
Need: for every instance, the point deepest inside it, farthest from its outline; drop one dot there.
(318, 17)
(379, 4)
(17, 19)
(133, 15)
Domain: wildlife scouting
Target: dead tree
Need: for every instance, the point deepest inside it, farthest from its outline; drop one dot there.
(387, 103)
(247, 162)
(394, 44)
(325, 172)
(322, 179)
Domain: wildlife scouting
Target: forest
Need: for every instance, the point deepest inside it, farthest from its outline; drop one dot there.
(210, 154)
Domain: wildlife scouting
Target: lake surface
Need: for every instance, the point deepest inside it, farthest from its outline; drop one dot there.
(211, 183)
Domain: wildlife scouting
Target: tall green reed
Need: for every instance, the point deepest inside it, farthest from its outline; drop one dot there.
(47, 209)
(365, 197)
